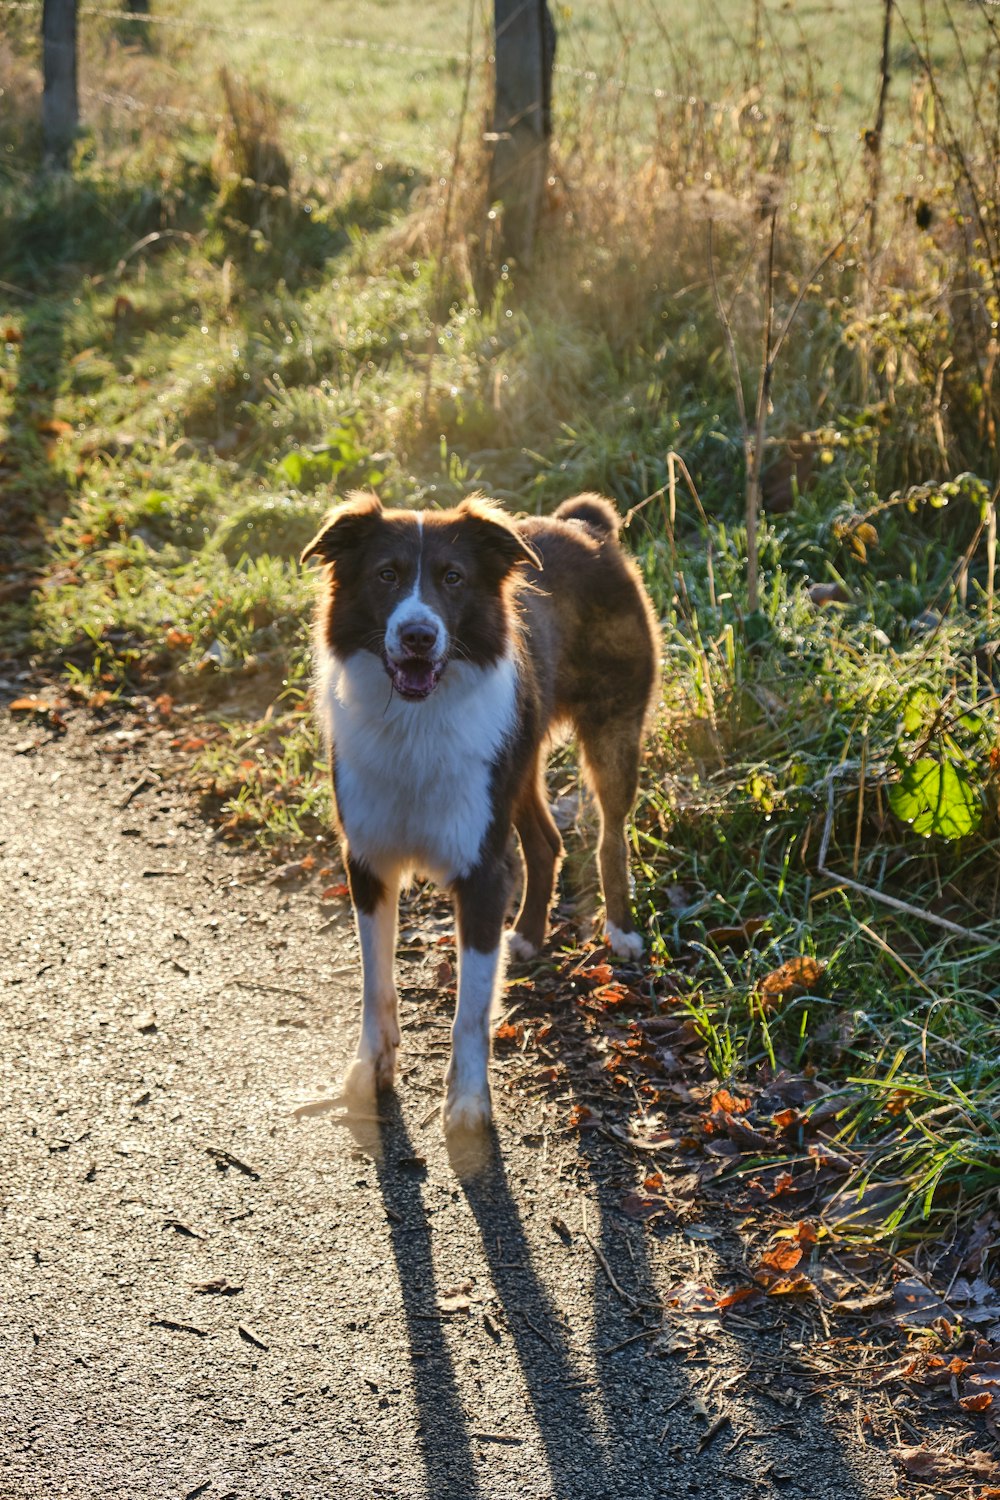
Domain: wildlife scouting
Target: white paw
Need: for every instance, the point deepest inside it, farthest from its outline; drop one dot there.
(469, 1113)
(366, 1075)
(624, 944)
(519, 950)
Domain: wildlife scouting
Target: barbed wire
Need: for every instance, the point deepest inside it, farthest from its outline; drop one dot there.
(131, 105)
(257, 33)
(589, 76)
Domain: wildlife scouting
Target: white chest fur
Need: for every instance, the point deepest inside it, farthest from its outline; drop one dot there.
(413, 779)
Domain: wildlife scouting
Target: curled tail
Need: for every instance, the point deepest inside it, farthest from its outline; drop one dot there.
(593, 511)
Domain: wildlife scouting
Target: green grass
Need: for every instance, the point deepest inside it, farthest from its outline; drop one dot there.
(195, 363)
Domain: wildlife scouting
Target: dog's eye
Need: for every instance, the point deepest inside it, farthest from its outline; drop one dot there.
(389, 575)
(452, 578)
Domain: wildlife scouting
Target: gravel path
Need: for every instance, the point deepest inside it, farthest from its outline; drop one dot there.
(203, 1294)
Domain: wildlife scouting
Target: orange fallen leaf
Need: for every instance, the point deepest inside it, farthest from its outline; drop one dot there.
(791, 1286)
(723, 1102)
(510, 1031)
(739, 1295)
(784, 1256)
(335, 892)
(29, 706)
(600, 973)
(795, 977)
(980, 1402)
(164, 705)
(176, 639)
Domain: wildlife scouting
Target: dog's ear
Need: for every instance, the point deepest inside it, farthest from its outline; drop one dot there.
(344, 528)
(499, 537)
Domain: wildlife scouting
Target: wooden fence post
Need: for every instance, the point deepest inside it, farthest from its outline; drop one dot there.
(60, 106)
(524, 47)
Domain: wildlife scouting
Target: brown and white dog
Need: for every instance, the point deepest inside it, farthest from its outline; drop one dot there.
(450, 645)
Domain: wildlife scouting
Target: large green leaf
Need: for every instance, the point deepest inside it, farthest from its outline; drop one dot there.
(937, 797)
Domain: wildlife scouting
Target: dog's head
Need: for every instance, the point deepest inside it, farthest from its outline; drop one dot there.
(419, 588)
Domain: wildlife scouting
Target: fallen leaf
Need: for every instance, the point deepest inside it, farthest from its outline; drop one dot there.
(822, 594)
(739, 936)
(335, 892)
(791, 1286)
(916, 1305)
(29, 706)
(740, 1294)
(924, 1463)
(981, 1402)
(643, 1206)
(795, 977)
(783, 1256)
(723, 1102)
(454, 1304)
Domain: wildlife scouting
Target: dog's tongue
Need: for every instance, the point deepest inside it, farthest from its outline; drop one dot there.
(415, 677)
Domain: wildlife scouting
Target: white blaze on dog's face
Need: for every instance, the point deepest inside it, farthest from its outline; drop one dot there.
(417, 588)
(416, 637)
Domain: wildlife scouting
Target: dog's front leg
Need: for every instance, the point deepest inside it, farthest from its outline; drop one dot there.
(481, 904)
(376, 901)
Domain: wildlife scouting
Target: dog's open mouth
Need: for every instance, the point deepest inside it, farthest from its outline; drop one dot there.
(414, 677)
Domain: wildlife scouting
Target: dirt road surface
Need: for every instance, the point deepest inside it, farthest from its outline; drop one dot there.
(203, 1293)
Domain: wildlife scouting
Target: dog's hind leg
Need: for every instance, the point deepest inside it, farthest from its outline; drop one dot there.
(376, 901)
(611, 754)
(481, 904)
(542, 848)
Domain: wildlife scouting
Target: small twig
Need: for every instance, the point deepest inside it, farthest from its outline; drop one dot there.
(866, 890)
(147, 779)
(616, 1286)
(176, 1327)
(647, 1333)
(713, 1431)
(251, 1338)
(536, 1330)
(227, 1159)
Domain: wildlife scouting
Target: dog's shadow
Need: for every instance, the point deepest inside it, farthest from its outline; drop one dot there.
(454, 1452)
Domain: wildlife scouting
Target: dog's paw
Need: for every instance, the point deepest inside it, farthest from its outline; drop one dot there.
(624, 944)
(519, 950)
(468, 1114)
(366, 1076)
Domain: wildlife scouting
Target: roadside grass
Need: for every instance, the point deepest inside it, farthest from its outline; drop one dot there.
(207, 340)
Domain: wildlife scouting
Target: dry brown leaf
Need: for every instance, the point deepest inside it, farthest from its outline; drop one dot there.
(723, 1102)
(982, 1401)
(791, 1286)
(739, 936)
(795, 977)
(784, 1256)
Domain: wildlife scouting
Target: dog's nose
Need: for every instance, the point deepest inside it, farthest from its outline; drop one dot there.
(418, 640)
